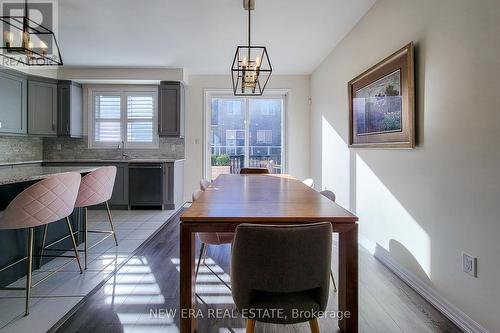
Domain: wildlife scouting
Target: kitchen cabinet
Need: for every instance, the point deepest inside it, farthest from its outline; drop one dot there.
(171, 103)
(69, 109)
(119, 197)
(155, 184)
(13, 103)
(42, 107)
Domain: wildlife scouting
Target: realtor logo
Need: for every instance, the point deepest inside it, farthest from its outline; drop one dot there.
(29, 33)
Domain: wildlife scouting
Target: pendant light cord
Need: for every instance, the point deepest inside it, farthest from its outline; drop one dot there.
(249, 27)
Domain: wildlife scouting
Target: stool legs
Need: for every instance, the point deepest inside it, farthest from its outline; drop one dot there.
(75, 249)
(44, 239)
(111, 222)
(86, 233)
(29, 267)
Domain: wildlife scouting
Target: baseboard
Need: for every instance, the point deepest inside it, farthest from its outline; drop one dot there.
(457, 316)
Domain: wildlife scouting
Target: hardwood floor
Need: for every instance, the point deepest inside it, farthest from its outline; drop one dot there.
(140, 295)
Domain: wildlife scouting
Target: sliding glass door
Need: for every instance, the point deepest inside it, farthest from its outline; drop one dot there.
(245, 132)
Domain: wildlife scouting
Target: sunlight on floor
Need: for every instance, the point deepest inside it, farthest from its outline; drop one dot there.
(209, 287)
(145, 291)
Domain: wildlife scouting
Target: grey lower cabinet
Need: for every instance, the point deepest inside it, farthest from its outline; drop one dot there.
(13, 106)
(143, 185)
(42, 107)
(69, 109)
(171, 109)
(120, 197)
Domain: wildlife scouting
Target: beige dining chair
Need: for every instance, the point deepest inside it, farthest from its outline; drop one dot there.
(330, 195)
(309, 182)
(270, 271)
(204, 184)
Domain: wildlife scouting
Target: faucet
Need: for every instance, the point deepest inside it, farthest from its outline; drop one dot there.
(121, 146)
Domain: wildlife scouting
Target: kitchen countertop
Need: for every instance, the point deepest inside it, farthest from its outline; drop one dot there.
(30, 173)
(132, 160)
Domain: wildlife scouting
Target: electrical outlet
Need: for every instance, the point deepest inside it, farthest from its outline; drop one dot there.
(59, 147)
(469, 264)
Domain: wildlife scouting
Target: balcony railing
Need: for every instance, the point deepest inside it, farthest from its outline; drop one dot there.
(259, 157)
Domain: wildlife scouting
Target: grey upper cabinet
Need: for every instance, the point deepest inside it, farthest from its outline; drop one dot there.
(13, 106)
(171, 109)
(69, 109)
(42, 107)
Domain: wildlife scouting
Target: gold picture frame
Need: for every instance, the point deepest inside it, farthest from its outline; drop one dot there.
(382, 103)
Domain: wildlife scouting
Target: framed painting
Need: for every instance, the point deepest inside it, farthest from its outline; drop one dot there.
(382, 104)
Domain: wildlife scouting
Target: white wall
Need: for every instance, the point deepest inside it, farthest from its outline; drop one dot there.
(424, 206)
(298, 115)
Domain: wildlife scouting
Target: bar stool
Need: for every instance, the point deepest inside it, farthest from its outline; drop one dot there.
(210, 238)
(96, 188)
(45, 202)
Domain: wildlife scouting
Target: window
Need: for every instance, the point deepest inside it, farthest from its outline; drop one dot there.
(127, 115)
(249, 133)
(264, 136)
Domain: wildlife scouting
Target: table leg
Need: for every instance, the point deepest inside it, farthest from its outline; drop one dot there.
(187, 282)
(348, 279)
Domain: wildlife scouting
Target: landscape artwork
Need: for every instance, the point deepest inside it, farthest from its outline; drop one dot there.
(382, 103)
(378, 106)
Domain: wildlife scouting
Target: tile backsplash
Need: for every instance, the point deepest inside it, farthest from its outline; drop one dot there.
(15, 149)
(77, 149)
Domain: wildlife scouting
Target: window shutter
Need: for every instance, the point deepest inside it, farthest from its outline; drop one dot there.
(140, 117)
(107, 118)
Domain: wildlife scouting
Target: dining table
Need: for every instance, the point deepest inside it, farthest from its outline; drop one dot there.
(233, 199)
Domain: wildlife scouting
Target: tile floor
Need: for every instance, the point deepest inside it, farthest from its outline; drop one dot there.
(53, 298)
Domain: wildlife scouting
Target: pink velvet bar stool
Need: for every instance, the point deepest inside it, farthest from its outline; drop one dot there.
(96, 188)
(210, 238)
(45, 202)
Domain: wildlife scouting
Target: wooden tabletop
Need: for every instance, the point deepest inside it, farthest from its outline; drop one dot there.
(264, 198)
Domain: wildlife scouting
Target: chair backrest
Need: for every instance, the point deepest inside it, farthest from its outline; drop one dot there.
(47, 201)
(204, 184)
(96, 187)
(281, 259)
(309, 182)
(196, 195)
(270, 166)
(249, 171)
(329, 194)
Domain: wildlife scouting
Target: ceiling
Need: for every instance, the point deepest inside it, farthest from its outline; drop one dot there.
(201, 35)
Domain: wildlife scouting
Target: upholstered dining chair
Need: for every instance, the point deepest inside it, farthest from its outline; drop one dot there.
(309, 182)
(270, 271)
(96, 188)
(249, 171)
(45, 202)
(204, 184)
(210, 238)
(330, 195)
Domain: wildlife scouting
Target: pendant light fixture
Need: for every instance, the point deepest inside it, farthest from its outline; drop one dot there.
(251, 67)
(27, 42)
